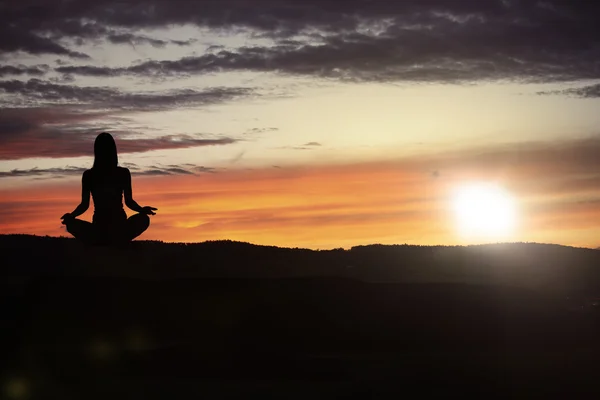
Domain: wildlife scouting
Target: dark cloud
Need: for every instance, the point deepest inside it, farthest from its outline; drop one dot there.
(365, 40)
(169, 142)
(586, 92)
(88, 70)
(133, 39)
(282, 16)
(376, 40)
(205, 170)
(36, 92)
(16, 38)
(55, 172)
(129, 38)
(129, 165)
(91, 70)
(65, 78)
(180, 171)
(166, 170)
(59, 120)
(215, 47)
(36, 70)
(153, 172)
(62, 132)
(12, 40)
(61, 172)
(188, 42)
(396, 55)
(313, 144)
(183, 169)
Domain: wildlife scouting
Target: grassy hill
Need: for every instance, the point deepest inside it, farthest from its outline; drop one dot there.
(228, 319)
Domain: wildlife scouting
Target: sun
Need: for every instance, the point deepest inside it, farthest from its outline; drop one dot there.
(484, 211)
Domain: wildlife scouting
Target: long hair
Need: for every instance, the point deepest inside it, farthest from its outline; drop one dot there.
(105, 151)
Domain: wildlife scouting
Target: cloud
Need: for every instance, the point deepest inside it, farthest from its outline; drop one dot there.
(61, 172)
(204, 169)
(54, 172)
(64, 132)
(90, 70)
(305, 146)
(17, 38)
(215, 47)
(261, 130)
(64, 143)
(85, 17)
(36, 91)
(153, 172)
(36, 70)
(135, 40)
(179, 169)
(412, 40)
(187, 42)
(61, 120)
(585, 92)
(169, 142)
(129, 165)
(396, 56)
(129, 38)
(65, 78)
(161, 171)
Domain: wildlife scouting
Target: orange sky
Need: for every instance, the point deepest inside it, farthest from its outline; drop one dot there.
(327, 206)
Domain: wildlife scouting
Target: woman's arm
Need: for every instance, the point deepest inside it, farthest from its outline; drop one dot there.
(128, 195)
(85, 198)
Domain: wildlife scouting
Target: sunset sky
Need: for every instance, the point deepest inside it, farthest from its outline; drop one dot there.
(306, 123)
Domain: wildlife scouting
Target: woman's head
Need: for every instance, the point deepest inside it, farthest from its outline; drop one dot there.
(105, 151)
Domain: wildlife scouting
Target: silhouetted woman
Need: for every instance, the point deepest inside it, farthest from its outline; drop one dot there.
(107, 182)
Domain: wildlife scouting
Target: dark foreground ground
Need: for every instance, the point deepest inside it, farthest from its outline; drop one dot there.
(129, 324)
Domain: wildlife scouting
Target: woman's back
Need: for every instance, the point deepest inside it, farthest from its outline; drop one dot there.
(106, 186)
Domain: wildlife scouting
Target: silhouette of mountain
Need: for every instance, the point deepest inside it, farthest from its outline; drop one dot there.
(226, 319)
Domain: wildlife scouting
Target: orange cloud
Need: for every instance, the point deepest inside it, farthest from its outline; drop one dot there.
(314, 207)
(329, 206)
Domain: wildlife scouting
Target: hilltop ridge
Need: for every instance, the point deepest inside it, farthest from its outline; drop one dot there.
(546, 267)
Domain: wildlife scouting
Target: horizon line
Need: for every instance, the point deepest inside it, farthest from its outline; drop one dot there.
(319, 249)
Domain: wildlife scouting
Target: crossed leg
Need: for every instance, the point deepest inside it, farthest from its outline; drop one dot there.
(93, 233)
(81, 230)
(136, 225)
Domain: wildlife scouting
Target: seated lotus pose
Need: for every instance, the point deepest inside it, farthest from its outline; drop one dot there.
(108, 183)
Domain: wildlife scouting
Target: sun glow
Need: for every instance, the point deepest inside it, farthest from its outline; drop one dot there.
(484, 211)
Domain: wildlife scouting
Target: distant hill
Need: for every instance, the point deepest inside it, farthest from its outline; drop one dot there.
(544, 267)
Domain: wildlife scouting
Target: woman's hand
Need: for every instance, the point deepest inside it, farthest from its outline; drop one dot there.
(149, 210)
(66, 218)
